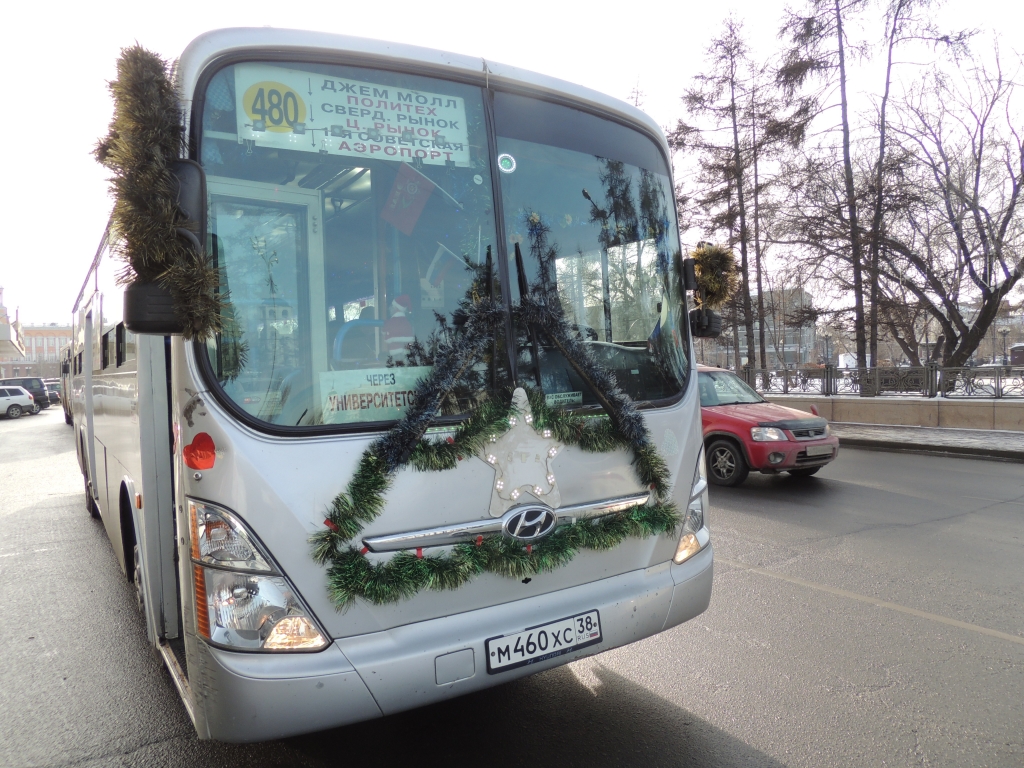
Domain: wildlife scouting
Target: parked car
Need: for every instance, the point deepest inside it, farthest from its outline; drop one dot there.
(15, 401)
(743, 431)
(53, 390)
(35, 386)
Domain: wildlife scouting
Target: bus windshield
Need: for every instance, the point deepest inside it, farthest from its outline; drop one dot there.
(595, 200)
(351, 209)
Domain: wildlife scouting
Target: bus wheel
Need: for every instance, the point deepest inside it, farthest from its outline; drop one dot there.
(140, 595)
(14, 412)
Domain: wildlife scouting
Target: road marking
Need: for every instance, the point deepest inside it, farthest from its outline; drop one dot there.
(15, 554)
(874, 601)
(998, 501)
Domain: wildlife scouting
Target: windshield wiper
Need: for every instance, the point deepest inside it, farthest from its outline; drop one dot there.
(524, 291)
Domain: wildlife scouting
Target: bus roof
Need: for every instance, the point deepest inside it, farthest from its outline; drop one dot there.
(211, 45)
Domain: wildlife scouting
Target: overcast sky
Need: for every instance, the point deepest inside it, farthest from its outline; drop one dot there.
(58, 59)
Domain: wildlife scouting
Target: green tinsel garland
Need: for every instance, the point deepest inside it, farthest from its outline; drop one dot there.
(352, 575)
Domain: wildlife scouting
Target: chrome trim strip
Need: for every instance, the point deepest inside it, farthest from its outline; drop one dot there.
(458, 533)
(178, 676)
(698, 488)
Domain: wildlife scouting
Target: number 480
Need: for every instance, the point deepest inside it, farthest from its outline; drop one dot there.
(275, 108)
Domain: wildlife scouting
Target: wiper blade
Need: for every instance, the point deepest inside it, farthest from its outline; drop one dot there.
(524, 291)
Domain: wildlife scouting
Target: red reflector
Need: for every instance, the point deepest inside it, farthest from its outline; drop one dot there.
(201, 453)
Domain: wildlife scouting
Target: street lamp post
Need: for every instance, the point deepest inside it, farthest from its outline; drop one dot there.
(1004, 332)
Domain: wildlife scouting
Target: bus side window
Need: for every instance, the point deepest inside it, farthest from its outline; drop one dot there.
(125, 344)
(106, 349)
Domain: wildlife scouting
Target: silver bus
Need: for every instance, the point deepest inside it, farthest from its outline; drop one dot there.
(353, 188)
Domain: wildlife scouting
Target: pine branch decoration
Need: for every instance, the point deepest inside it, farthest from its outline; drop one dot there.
(145, 139)
(717, 275)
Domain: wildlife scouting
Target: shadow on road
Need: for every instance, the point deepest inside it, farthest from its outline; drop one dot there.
(550, 719)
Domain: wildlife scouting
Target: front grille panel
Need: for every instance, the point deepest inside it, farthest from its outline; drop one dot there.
(809, 434)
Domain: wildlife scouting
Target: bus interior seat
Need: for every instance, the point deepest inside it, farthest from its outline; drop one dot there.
(356, 341)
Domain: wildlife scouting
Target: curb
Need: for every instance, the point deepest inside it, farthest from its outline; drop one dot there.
(966, 452)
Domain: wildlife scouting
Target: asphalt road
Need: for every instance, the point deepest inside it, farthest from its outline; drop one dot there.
(869, 616)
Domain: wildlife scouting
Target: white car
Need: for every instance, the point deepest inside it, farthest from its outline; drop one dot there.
(15, 401)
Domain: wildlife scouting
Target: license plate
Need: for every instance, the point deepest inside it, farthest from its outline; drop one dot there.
(819, 450)
(544, 641)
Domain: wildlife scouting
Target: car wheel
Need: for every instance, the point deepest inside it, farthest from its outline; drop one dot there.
(140, 595)
(14, 411)
(35, 409)
(805, 472)
(726, 465)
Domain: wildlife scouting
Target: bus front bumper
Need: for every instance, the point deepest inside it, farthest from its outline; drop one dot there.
(255, 697)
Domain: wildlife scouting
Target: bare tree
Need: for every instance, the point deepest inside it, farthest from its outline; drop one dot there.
(819, 48)
(906, 20)
(719, 94)
(960, 240)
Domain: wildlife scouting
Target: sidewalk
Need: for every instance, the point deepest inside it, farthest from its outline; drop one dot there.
(988, 443)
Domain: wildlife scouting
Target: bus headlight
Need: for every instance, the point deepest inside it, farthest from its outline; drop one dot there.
(242, 600)
(695, 530)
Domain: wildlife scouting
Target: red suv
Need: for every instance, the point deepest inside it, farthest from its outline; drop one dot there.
(743, 431)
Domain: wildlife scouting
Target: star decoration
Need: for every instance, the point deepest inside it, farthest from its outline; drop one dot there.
(522, 459)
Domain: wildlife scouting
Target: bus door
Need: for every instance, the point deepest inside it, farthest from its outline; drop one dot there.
(268, 241)
(89, 355)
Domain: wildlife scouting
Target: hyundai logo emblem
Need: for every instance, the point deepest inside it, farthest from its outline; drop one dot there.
(529, 523)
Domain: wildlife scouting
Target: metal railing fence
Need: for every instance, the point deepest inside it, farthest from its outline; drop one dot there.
(931, 380)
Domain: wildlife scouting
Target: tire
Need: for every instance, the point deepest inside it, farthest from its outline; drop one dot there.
(140, 595)
(35, 409)
(805, 472)
(14, 412)
(726, 464)
(68, 419)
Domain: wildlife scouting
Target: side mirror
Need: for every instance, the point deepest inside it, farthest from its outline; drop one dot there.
(690, 275)
(149, 307)
(705, 324)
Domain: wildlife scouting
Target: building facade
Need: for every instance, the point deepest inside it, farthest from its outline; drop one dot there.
(12, 345)
(29, 349)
